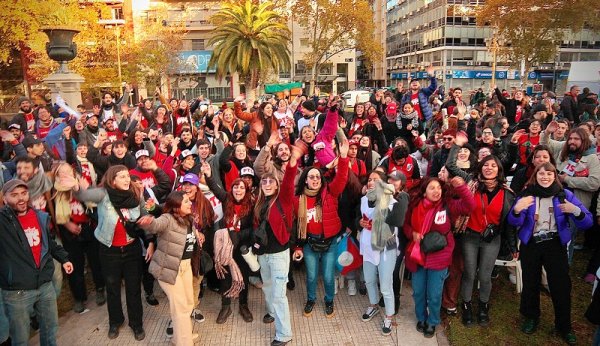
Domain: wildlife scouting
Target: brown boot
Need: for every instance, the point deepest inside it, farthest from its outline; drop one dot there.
(245, 312)
(224, 314)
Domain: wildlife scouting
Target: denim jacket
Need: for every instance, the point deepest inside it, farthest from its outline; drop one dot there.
(107, 215)
(525, 220)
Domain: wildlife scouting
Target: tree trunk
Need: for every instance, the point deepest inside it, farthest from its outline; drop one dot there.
(313, 79)
(251, 82)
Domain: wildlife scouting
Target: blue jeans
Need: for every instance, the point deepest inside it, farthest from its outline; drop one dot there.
(4, 328)
(427, 287)
(21, 304)
(596, 341)
(311, 260)
(274, 269)
(387, 262)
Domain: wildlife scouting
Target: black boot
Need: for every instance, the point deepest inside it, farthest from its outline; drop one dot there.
(467, 314)
(483, 318)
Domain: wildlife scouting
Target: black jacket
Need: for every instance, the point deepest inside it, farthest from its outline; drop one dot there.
(18, 270)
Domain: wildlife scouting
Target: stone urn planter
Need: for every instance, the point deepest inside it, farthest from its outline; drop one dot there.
(61, 47)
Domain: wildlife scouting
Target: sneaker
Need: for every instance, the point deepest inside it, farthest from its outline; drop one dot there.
(578, 247)
(268, 319)
(569, 337)
(589, 278)
(329, 312)
(342, 281)
(100, 296)
(529, 326)
(139, 334)
(352, 287)
(336, 283)
(197, 315)
(362, 289)
(421, 326)
(429, 331)
(170, 329)
(150, 299)
(78, 307)
(513, 278)
(451, 311)
(370, 313)
(308, 308)
(386, 328)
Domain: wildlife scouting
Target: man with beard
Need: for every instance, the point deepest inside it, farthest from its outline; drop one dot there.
(454, 101)
(119, 156)
(156, 182)
(112, 133)
(265, 163)
(440, 157)
(26, 266)
(109, 109)
(89, 134)
(419, 97)
(577, 162)
(25, 117)
(38, 153)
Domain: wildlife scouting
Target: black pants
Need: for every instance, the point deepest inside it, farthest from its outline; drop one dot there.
(120, 263)
(225, 283)
(79, 248)
(553, 256)
(147, 278)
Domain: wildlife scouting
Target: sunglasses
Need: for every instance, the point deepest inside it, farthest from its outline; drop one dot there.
(314, 177)
(448, 139)
(268, 181)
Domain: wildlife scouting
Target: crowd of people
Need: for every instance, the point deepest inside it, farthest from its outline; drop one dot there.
(191, 194)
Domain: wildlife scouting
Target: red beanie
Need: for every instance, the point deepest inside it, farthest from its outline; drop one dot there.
(450, 132)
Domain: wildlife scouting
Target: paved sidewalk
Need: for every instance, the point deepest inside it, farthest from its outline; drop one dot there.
(344, 329)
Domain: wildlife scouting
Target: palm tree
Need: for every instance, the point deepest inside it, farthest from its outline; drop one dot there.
(249, 38)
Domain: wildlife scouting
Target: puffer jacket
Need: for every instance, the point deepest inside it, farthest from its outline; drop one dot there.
(525, 220)
(171, 244)
(423, 96)
(329, 200)
(107, 215)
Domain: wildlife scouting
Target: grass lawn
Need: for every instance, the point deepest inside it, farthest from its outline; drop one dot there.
(505, 325)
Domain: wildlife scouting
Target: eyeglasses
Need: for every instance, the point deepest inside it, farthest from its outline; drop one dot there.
(268, 181)
(314, 177)
(448, 139)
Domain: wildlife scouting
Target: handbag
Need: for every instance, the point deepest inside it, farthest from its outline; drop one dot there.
(206, 262)
(491, 231)
(132, 228)
(433, 241)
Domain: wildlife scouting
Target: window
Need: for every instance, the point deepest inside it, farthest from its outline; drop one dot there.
(117, 13)
(197, 44)
(304, 42)
(342, 70)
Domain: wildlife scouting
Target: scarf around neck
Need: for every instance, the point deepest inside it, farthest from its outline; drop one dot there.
(62, 202)
(122, 199)
(381, 232)
(38, 185)
(542, 192)
(302, 211)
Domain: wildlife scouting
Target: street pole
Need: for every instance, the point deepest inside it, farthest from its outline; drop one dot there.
(494, 58)
(118, 34)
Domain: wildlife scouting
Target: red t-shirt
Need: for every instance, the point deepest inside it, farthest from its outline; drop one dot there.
(414, 100)
(42, 132)
(85, 172)
(33, 232)
(30, 119)
(312, 226)
(148, 179)
(235, 224)
(113, 136)
(519, 113)
(78, 214)
(120, 237)
(179, 122)
(526, 146)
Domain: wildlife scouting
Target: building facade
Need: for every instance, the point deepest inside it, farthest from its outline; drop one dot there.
(443, 33)
(377, 75)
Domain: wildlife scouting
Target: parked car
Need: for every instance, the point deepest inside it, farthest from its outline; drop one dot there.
(350, 97)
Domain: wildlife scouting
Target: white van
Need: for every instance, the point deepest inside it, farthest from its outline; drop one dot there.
(350, 97)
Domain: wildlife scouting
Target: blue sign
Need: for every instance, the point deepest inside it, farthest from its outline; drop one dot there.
(411, 75)
(548, 75)
(195, 61)
(471, 74)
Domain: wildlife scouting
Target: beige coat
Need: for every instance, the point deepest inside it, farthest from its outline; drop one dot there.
(171, 243)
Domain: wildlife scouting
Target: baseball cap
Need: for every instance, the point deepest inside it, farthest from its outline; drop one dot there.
(13, 184)
(30, 141)
(108, 119)
(397, 175)
(392, 108)
(246, 171)
(185, 154)
(190, 178)
(14, 126)
(89, 115)
(140, 153)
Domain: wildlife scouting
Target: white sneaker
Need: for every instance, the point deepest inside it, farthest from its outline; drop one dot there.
(351, 287)
(512, 278)
(342, 281)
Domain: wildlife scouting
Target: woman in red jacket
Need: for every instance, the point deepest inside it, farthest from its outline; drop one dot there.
(430, 211)
(318, 225)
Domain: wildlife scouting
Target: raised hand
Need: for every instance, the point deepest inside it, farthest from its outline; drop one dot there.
(344, 147)
(430, 70)
(517, 135)
(552, 127)
(524, 203)
(461, 138)
(206, 169)
(457, 181)
(6, 136)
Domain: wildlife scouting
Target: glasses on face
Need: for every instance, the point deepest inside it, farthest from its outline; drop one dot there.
(267, 181)
(448, 139)
(314, 177)
(487, 133)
